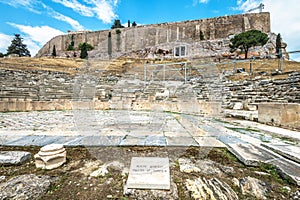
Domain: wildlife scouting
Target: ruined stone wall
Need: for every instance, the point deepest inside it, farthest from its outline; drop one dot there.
(165, 34)
(279, 113)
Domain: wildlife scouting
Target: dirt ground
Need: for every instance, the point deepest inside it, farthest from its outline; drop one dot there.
(72, 183)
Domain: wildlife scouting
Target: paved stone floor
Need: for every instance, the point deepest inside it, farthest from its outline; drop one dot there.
(251, 142)
(106, 128)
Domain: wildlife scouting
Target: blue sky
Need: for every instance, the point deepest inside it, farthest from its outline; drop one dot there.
(39, 20)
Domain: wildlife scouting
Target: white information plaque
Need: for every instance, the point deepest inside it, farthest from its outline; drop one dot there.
(149, 173)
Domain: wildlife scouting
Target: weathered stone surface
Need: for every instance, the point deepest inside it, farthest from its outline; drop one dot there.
(153, 194)
(207, 167)
(160, 38)
(187, 166)
(255, 187)
(28, 186)
(104, 169)
(295, 195)
(13, 157)
(249, 154)
(288, 151)
(238, 106)
(50, 156)
(279, 113)
(207, 189)
(2, 178)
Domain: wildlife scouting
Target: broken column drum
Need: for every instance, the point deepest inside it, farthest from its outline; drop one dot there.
(50, 156)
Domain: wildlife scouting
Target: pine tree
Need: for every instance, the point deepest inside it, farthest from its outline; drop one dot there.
(117, 24)
(17, 47)
(278, 46)
(54, 51)
(248, 39)
(83, 52)
(134, 24)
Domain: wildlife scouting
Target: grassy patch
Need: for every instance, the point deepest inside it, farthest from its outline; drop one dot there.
(288, 140)
(273, 171)
(222, 121)
(241, 130)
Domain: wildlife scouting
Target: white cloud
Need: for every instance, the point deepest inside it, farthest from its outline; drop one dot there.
(28, 4)
(40, 34)
(39, 7)
(247, 5)
(36, 36)
(102, 9)
(75, 24)
(285, 19)
(203, 1)
(32, 46)
(5, 41)
(195, 2)
(77, 7)
(56, 15)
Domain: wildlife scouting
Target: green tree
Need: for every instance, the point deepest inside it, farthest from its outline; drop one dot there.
(117, 24)
(89, 47)
(1, 55)
(54, 51)
(83, 52)
(71, 45)
(134, 24)
(278, 46)
(248, 39)
(201, 35)
(118, 31)
(17, 47)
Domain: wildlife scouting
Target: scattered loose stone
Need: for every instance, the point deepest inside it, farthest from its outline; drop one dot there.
(2, 178)
(50, 156)
(103, 170)
(208, 167)
(254, 187)
(207, 189)
(187, 166)
(28, 186)
(238, 106)
(236, 182)
(89, 167)
(287, 188)
(295, 195)
(13, 157)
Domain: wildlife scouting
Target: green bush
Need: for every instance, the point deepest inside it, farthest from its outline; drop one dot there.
(88, 46)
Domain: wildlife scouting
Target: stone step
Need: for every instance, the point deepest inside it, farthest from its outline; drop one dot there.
(288, 151)
(252, 155)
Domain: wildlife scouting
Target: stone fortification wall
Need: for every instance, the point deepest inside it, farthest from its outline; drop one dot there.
(166, 35)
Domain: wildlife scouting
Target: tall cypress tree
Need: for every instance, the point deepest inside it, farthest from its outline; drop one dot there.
(278, 46)
(109, 45)
(83, 52)
(201, 35)
(54, 51)
(17, 47)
